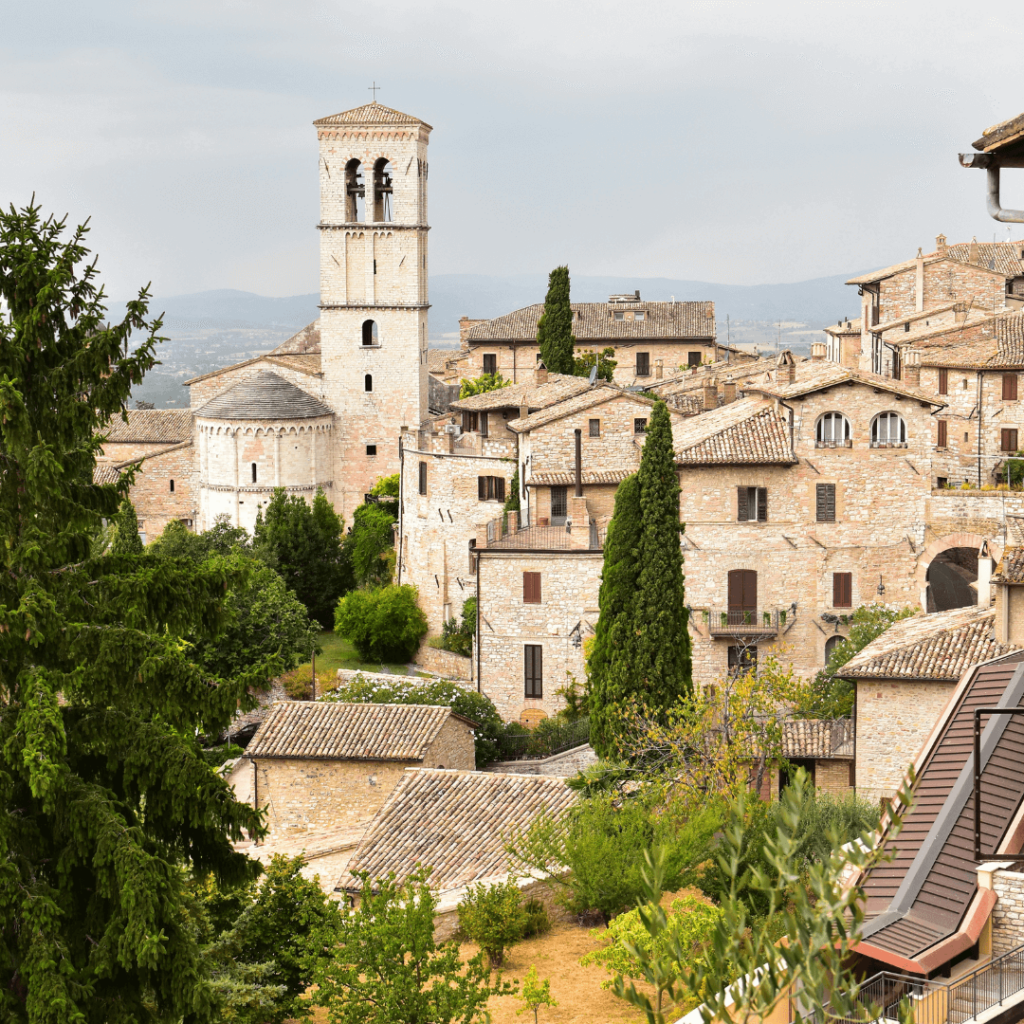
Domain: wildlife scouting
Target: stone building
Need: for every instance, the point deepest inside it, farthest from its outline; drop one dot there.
(322, 765)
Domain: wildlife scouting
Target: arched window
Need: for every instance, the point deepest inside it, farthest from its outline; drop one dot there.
(831, 644)
(370, 334)
(355, 192)
(254, 472)
(368, 382)
(832, 431)
(383, 176)
(888, 431)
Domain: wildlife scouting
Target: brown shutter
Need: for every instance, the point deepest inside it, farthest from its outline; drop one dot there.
(825, 503)
(943, 433)
(837, 589)
(531, 588)
(1008, 439)
(735, 589)
(842, 589)
(1009, 387)
(423, 478)
(749, 589)
(499, 488)
(741, 504)
(847, 589)
(762, 504)
(943, 381)
(533, 670)
(483, 424)
(481, 488)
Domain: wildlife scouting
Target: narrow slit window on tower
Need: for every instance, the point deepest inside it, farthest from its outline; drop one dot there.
(172, 487)
(371, 335)
(383, 189)
(355, 192)
(368, 382)
(254, 472)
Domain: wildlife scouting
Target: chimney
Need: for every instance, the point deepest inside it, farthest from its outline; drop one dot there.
(659, 369)
(540, 375)
(524, 411)
(637, 294)
(710, 394)
(973, 257)
(786, 367)
(940, 244)
(912, 368)
(984, 583)
(919, 283)
(817, 351)
(729, 391)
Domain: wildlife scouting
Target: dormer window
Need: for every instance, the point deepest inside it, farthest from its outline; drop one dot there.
(639, 315)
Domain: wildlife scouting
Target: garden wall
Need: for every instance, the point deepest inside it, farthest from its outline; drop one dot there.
(446, 664)
(562, 765)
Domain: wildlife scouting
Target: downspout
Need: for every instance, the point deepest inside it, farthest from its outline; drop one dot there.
(401, 505)
(255, 788)
(792, 426)
(985, 160)
(981, 374)
(579, 464)
(479, 632)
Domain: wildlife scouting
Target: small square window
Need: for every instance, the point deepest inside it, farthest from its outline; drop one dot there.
(490, 363)
(619, 315)
(639, 315)
(595, 428)
(640, 426)
(693, 359)
(371, 449)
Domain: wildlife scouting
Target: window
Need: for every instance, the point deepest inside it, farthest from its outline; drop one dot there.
(693, 359)
(906, 327)
(943, 381)
(942, 482)
(595, 428)
(470, 420)
(370, 334)
(531, 588)
(371, 449)
(943, 438)
(1009, 387)
(619, 315)
(254, 472)
(825, 503)
(831, 644)
(640, 426)
(490, 488)
(533, 670)
(490, 363)
(368, 382)
(355, 192)
(483, 424)
(1008, 439)
(842, 590)
(472, 554)
(423, 478)
(742, 659)
(559, 505)
(832, 431)
(383, 176)
(752, 504)
(643, 364)
(639, 315)
(172, 487)
(742, 597)
(888, 431)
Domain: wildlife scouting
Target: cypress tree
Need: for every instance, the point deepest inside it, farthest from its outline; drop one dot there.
(554, 329)
(610, 665)
(126, 539)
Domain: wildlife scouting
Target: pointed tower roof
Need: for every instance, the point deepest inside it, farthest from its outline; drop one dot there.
(370, 113)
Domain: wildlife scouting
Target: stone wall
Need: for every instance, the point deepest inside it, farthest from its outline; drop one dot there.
(563, 765)
(1008, 913)
(833, 776)
(894, 719)
(163, 490)
(446, 664)
(453, 749)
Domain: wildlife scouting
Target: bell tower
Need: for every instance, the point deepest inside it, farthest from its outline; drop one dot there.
(373, 289)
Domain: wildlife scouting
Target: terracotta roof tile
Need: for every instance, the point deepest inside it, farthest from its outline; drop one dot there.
(369, 113)
(567, 479)
(1011, 566)
(327, 730)
(596, 323)
(559, 386)
(743, 432)
(593, 396)
(940, 646)
(1002, 257)
(1006, 133)
(818, 738)
(151, 425)
(305, 342)
(454, 822)
(302, 362)
(263, 396)
(811, 376)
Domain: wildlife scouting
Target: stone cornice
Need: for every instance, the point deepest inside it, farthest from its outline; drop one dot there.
(380, 227)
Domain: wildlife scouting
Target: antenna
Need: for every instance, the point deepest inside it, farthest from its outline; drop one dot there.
(593, 374)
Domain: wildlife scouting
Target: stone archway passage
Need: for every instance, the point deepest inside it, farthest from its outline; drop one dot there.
(947, 567)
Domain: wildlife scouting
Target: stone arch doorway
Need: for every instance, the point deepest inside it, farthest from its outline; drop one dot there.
(949, 566)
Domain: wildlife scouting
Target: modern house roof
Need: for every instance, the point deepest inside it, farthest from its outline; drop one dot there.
(456, 823)
(924, 906)
(939, 647)
(324, 730)
(263, 396)
(369, 113)
(743, 432)
(153, 426)
(557, 388)
(594, 321)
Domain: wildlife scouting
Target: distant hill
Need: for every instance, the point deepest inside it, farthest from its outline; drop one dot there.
(207, 330)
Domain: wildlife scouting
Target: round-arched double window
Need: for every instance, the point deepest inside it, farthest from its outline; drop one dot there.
(888, 430)
(832, 431)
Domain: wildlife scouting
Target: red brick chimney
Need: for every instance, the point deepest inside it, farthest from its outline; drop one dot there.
(786, 364)
(540, 375)
(912, 369)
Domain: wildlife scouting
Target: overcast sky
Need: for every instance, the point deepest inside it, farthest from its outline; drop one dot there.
(716, 141)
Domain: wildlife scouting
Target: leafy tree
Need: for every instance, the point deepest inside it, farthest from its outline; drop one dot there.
(178, 541)
(604, 360)
(371, 544)
(830, 695)
(512, 501)
(554, 329)
(126, 539)
(536, 993)
(477, 707)
(386, 490)
(457, 636)
(388, 969)
(492, 916)
(470, 386)
(304, 544)
(383, 625)
(107, 798)
(612, 655)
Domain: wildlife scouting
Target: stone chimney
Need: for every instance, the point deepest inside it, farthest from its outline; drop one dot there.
(973, 257)
(919, 283)
(710, 394)
(524, 411)
(912, 368)
(817, 351)
(540, 375)
(940, 244)
(659, 369)
(729, 391)
(786, 367)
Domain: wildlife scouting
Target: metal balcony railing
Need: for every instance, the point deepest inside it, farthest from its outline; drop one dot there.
(744, 621)
(506, 532)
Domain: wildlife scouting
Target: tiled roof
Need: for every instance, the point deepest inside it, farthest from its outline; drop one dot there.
(896, 268)
(567, 479)
(722, 371)
(1003, 134)
(811, 376)
(454, 822)
(559, 386)
(1001, 343)
(306, 342)
(595, 322)
(369, 113)
(1011, 566)
(437, 357)
(1002, 257)
(940, 646)
(348, 732)
(105, 472)
(745, 431)
(168, 426)
(597, 395)
(817, 738)
(853, 328)
(264, 396)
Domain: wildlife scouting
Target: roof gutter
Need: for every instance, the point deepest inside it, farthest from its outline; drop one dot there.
(992, 163)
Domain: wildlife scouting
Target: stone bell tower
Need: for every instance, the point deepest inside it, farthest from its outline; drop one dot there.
(373, 288)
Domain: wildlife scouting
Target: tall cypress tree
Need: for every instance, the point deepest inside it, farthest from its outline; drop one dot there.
(610, 665)
(126, 540)
(554, 329)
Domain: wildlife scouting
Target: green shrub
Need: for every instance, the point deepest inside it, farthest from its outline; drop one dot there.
(535, 919)
(457, 636)
(383, 625)
(492, 916)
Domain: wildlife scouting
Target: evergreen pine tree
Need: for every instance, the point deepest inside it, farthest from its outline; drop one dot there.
(126, 539)
(610, 665)
(554, 329)
(108, 802)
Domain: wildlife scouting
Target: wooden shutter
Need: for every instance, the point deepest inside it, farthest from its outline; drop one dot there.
(1009, 387)
(531, 588)
(483, 424)
(825, 511)
(742, 511)
(1008, 439)
(742, 590)
(499, 488)
(943, 381)
(643, 364)
(533, 670)
(842, 590)
(481, 488)
(423, 478)
(762, 504)
(943, 433)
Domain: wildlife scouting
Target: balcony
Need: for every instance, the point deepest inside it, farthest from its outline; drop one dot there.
(506, 533)
(750, 622)
(820, 443)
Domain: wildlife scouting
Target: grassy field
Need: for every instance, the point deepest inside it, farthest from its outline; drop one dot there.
(337, 653)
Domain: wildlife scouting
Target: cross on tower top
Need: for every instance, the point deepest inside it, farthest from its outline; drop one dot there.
(373, 88)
